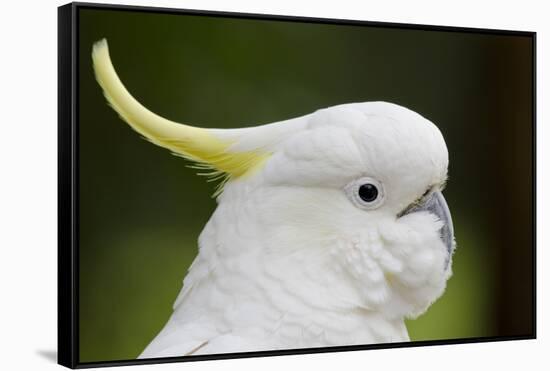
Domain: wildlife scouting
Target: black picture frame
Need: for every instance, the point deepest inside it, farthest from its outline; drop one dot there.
(68, 183)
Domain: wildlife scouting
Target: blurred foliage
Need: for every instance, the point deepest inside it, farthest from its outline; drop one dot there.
(141, 209)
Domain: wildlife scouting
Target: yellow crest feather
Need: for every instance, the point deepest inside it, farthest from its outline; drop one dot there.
(193, 143)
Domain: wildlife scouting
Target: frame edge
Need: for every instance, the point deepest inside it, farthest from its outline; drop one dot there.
(67, 349)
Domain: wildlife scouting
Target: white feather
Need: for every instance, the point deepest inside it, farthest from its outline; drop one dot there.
(287, 261)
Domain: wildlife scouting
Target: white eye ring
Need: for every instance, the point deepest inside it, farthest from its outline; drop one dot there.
(365, 193)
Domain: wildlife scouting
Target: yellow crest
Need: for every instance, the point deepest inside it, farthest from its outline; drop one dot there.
(193, 143)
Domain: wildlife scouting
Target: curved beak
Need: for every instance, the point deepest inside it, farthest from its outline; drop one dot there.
(436, 204)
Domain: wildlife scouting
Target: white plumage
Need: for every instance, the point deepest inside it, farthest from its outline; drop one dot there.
(293, 255)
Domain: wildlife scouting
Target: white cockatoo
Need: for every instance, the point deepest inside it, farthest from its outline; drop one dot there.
(330, 228)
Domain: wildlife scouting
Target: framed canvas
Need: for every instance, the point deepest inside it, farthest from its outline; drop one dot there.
(337, 185)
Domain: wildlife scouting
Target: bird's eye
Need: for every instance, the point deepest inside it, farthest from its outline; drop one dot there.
(365, 193)
(368, 192)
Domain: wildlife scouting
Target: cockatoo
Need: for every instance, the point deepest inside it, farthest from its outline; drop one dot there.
(330, 228)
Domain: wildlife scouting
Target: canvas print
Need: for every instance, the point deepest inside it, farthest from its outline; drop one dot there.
(257, 184)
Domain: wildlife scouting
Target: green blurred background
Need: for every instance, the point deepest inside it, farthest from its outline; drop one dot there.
(142, 209)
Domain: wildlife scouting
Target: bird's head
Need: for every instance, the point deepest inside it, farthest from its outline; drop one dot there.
(352, 192)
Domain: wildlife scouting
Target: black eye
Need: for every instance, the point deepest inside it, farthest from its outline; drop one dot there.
(368, 192)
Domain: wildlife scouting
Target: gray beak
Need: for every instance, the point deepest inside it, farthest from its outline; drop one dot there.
(436, 204)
